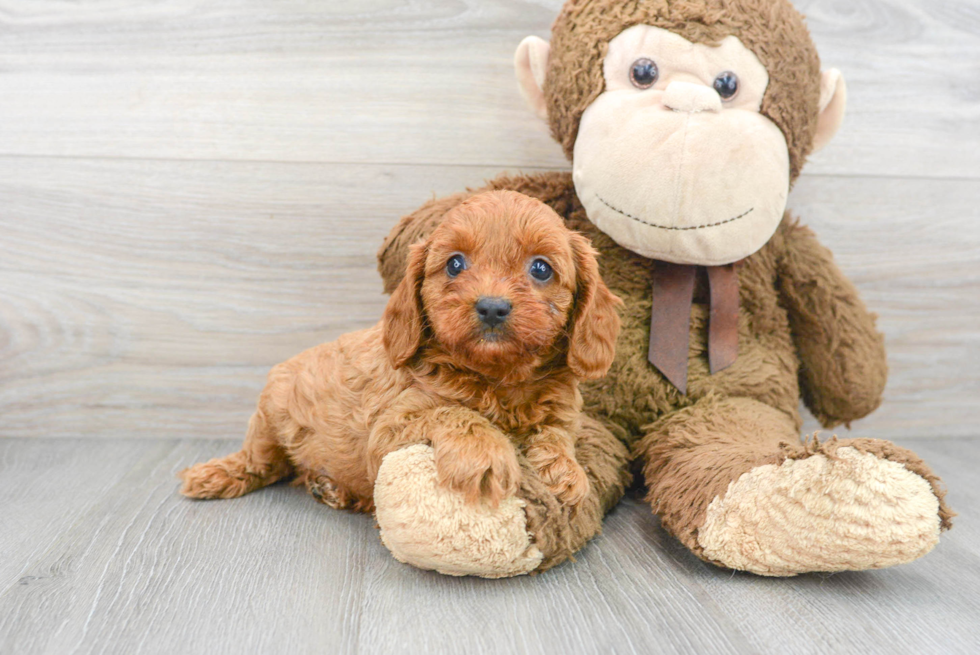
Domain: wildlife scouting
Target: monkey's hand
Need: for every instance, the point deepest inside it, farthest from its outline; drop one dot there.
(843, 370)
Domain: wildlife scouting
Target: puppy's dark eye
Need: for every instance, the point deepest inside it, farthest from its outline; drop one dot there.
(455, 265)
(644, 73)
(540, 270)
(726, 85)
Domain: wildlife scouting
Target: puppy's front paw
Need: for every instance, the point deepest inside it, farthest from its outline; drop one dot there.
(564, 476)
(478, 468)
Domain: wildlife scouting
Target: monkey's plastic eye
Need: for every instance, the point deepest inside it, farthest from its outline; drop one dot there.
(455, 265)
(644, 73)
(726, 85)
(540, 270)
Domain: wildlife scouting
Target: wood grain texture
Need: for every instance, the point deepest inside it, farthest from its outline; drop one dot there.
(30, 520)
(191, 192)
(150, 298)
(115, 561)
(392, 81)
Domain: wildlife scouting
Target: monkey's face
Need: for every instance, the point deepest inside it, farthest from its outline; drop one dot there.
(673, 160)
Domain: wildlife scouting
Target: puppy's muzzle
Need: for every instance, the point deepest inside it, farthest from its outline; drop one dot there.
(492, 312)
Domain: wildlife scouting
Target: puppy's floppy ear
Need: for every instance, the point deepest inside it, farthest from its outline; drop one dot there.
(595, 321)
(402, 320)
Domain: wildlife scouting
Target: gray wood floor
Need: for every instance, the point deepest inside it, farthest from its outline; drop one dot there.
(191, 192)
(100, 554)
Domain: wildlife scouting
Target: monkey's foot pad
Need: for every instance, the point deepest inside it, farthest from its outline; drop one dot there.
(850, 511)
(428, 526)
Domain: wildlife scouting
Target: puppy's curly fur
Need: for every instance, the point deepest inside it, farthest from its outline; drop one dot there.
(432, 371)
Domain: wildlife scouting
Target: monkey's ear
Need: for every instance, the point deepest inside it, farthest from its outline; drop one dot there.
(402, 320)
(531, 64)
(833, 100)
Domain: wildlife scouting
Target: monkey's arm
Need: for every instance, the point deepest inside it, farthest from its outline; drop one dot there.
(843, 368)
(555, 189)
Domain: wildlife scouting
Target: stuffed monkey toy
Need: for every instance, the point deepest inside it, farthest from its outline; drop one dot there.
(686, 123)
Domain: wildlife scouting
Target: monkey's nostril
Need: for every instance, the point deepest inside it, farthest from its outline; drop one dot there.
(493, 311)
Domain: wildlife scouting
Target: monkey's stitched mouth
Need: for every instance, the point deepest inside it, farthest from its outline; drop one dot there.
(672, 227)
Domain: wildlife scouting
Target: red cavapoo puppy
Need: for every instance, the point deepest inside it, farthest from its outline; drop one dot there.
(479, 353)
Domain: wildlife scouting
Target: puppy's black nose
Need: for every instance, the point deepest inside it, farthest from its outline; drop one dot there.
(493, 311)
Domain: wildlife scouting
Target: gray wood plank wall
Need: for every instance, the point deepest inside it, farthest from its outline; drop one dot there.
(193, 191)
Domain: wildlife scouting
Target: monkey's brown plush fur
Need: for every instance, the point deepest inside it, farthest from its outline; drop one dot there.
(693, 446)
(431, 372)
(803, 331)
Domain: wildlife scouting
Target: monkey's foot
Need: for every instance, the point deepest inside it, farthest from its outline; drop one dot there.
(431, 527)
(844, 506)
